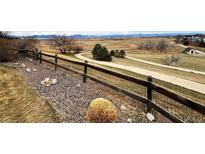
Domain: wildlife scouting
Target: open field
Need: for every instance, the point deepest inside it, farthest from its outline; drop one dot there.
(186, 61)
(130, 45)
(19, 102)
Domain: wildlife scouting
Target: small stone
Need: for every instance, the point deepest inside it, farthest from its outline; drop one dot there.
(47, 82)
(28, 70)
(46, 79)
(30, 60)
(42, 82)
(129, 120)
(53, 81)
(34, 70)
(122, 107)
(23, 65)
(150, 117)
(78, 85)
(16, 63)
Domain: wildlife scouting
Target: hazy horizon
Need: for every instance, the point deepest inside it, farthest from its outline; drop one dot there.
(28, 33)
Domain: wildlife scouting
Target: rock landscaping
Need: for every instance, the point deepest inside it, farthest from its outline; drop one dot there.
(70, 97)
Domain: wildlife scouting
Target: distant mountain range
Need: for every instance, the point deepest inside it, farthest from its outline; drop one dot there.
(114, 36)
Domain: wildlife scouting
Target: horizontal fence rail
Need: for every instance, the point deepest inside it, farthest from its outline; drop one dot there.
(151, 87)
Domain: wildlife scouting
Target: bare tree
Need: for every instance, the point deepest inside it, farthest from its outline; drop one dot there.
(162, 45)
(4, 34)
(62, 44)
(28, 43)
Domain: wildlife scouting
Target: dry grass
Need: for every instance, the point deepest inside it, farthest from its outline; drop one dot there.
(20, 103)
(130, 45)
(186, 61)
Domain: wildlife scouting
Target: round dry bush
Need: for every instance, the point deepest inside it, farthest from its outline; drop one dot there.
(101, 111)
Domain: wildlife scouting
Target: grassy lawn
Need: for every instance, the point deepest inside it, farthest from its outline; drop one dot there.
(19, 102)
(186, 61)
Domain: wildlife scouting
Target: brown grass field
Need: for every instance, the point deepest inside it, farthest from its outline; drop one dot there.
(128, 44)
(20, 103)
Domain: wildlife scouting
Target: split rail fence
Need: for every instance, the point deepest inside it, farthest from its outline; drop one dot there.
(157, 99)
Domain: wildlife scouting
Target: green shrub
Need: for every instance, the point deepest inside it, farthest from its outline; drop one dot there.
(101, 53)
(101, 111)
(117, 53)
(121, 54)
(112, 53)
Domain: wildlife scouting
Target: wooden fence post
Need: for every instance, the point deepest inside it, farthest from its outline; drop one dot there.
(149, 94)
(33, 55)
(40, 56)
(56, 61)
(85, 71)
(24, 53)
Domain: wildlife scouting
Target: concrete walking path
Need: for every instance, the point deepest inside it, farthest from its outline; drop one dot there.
(166, 66)
(198, 87)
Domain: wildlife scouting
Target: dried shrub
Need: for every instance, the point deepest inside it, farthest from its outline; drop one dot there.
(168, 60)
(6, 50)
(160, 45)
(77, 49)
(147, 45)
(101, 111)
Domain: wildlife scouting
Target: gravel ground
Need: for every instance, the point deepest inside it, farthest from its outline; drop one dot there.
(71, 97)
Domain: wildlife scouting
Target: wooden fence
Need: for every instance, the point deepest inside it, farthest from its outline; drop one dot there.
(150, 86)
